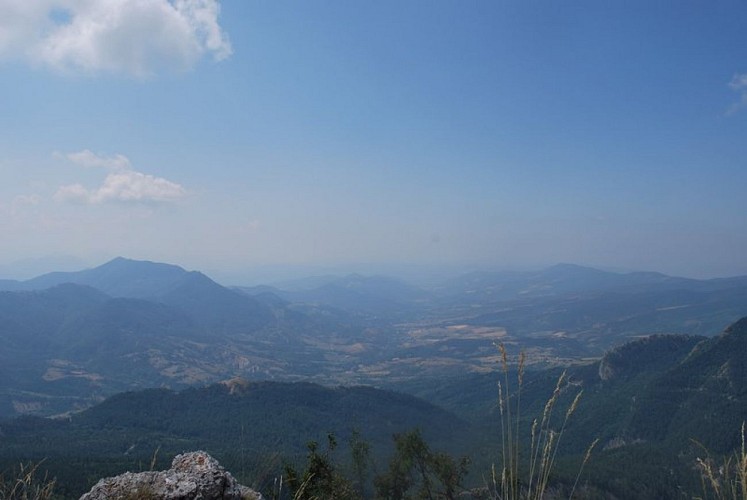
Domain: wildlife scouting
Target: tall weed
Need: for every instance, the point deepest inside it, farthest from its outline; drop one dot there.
(511, 482)
(727, 481)
(24, 484)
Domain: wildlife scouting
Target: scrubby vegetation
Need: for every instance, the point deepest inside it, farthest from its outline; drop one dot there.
(413, 471)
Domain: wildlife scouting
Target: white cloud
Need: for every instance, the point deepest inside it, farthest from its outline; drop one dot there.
(739, 84)
(23, 199)
(133, 37)
(122, 184)
(73, 193)
(87, 158)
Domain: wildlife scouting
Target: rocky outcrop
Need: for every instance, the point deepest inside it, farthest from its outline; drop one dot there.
(193, 476)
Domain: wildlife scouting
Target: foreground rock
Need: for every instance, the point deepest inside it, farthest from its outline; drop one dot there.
(193, 476)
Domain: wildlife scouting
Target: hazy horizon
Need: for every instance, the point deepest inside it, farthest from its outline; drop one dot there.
(279, 275)
(242, 138)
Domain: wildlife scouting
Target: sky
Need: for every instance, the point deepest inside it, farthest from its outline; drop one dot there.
(242, 136)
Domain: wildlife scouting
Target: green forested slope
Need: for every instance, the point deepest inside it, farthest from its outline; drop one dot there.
(250, 427)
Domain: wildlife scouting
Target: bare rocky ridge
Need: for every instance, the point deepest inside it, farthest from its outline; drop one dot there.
(193, 476)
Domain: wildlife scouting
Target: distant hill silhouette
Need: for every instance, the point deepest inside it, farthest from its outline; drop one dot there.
(372, 295)
(133, 324)
(202, 299)
(563, 279)
(119, 277)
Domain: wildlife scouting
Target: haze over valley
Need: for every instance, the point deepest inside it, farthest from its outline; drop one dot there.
(75, 337)
(373, 250)
(339, 344)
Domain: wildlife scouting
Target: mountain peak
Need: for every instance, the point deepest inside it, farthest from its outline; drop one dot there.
(123, 262)
(738, 328)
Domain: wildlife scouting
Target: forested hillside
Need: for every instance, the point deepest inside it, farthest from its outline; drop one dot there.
(252, 427)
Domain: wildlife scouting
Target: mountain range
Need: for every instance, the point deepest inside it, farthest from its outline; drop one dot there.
(369, 295)
(71, 339)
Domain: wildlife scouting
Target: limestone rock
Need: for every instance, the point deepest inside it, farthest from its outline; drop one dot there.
(193, 476)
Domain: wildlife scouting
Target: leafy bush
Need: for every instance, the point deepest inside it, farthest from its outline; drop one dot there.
(415, 466)
(320, 479)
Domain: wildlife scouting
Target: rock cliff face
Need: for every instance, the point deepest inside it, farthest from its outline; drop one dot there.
(193, 476)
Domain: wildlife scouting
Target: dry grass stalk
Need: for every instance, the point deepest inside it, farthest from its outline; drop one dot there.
(544, 439)
(727, 481)
(587, 456)
(25, 485)
(154, 459)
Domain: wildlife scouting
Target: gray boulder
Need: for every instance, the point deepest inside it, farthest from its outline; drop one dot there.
(193, 476)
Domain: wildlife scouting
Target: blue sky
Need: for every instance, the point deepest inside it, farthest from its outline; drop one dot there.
(228, 137)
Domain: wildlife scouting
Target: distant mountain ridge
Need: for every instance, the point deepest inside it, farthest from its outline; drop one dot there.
(70, 338)
(569, 308)
(148, 324)
(571, 278)
(122, 277)
(119, 277)
(204, 300)
(373, 295)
